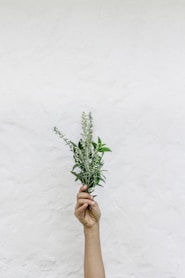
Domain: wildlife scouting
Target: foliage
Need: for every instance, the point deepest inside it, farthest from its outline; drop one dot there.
(87, 155)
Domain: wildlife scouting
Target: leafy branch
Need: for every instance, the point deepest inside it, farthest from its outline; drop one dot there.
(87, 155)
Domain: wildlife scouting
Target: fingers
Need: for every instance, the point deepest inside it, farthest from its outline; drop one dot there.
(83, 194)
(81, 202)
(84, 198)
(87, 210)
(83, 188)
(81, 210)
(85, 204)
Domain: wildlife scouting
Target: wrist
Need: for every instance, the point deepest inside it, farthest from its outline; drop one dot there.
(92, 230)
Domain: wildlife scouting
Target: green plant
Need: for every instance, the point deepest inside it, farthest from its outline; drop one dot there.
(87, 155)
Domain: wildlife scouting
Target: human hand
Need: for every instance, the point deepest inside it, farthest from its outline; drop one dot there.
(87, 210)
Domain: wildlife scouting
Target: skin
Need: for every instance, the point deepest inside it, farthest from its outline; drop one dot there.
(88, 213)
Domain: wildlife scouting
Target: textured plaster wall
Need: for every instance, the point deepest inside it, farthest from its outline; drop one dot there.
(125, 62)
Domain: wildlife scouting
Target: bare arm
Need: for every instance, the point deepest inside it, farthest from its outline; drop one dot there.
(93, 262)
(88, 213)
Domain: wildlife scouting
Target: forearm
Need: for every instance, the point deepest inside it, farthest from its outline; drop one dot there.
(93, 262)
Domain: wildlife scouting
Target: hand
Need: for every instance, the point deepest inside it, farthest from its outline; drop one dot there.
(87, 210)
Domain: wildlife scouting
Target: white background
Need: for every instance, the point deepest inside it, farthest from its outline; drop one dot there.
(125, 62)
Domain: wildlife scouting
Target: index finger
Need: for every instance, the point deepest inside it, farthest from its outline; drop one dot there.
(83, 188)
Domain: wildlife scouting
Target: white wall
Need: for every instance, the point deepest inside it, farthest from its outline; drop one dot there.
(125, 62)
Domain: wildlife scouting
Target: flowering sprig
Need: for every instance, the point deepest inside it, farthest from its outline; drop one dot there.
(87, 155)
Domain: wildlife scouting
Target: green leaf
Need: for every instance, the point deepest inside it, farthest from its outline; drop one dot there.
(104, 149)
(99, 140)
(76, 165)
(80, 144)
(102, 179)
(74, 145)
(76, 175)
(90, 189)
(94, 145)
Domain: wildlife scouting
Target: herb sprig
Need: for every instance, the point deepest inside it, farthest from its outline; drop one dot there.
(87, 155)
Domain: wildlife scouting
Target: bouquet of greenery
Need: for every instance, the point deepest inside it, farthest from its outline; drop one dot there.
(87, 155)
